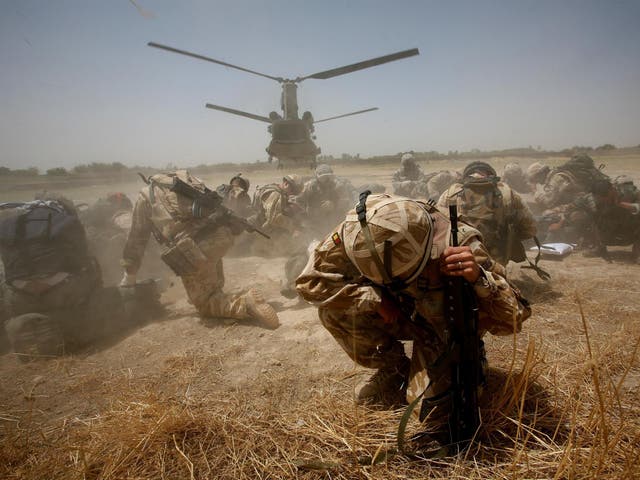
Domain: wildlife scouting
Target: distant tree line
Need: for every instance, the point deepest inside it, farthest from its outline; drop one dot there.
(117, 168)
(83, 169)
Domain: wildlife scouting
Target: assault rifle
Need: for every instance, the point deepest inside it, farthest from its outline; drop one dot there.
(209, 204)
(462, 309)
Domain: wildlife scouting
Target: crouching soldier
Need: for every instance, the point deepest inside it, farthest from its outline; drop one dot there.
(278, 216)
(496, 210)
(380, 279)
(53, 296)
(197, 231)
(235, 195)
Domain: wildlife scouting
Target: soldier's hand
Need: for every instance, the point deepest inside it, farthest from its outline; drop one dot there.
(389, 310)
(128, 280)
(460, 262)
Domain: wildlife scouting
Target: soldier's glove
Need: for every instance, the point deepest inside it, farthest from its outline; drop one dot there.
(128, 280)
(389, 310)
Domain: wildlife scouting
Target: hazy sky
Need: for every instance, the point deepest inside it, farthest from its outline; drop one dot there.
(78, 83)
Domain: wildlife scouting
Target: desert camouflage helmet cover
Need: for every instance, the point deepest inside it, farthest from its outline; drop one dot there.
(537, 170)
(405, 223)
(622, 180)
(407, 158)
(295, 181)
(323, 170)
(242, 181)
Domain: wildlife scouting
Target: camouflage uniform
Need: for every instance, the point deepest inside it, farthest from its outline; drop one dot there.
(609, 215)
(438, 182)
(280, 218)
(515, 177)
(202, 242)
(409, 180)
(498, 213)
(564, 183)
(235, 195)
(325, 199)
(349, 303)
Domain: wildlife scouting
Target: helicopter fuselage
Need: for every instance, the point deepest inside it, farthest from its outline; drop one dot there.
(289, 100)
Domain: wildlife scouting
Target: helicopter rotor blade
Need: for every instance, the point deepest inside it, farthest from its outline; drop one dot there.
(334, 72)
(239, 112)
(347, 114)
(213, 60)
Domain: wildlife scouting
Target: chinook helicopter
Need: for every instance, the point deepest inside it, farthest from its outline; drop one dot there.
(292, 136)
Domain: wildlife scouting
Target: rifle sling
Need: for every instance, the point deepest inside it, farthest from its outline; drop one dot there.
(544, 275)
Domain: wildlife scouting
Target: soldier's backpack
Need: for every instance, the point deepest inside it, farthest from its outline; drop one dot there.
(36, 220)
(581, 170)
(41, 237)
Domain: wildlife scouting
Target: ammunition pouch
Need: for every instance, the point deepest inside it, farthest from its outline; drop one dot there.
(184, 258)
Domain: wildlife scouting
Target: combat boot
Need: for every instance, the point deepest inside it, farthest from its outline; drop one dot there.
(260, 310)
(387, 387)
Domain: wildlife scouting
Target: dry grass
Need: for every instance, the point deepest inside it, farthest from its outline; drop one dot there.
(563, 402)
(541, 420)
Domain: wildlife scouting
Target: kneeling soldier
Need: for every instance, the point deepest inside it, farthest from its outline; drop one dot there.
(189, 220)
(381, 278)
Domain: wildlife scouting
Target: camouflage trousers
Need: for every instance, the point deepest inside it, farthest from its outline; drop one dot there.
(372, 343)
(204, 286)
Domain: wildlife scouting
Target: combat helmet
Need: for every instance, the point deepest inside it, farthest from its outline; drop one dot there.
(295, 181)
(242, 181)
(537, 172)
(580, 160)
(388, 239)
(478, 167)
(324, 170)
(119, 200)
(407, 160)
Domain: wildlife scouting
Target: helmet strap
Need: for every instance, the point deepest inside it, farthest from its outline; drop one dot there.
(383, 267)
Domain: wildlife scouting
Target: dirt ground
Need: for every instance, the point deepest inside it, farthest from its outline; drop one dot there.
(48, 406)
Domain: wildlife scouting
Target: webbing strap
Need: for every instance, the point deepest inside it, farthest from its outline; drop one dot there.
(534, 266)
(361, 210)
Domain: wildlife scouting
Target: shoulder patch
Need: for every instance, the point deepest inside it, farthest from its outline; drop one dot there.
(336, 239)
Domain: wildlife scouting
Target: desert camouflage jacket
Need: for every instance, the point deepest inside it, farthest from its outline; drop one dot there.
(414, 174)
(561, 187)
(498, 212)
(330, 281)
(273, 211)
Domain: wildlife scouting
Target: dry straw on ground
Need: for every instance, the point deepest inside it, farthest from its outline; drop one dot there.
(562, 402)
(540, 421)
